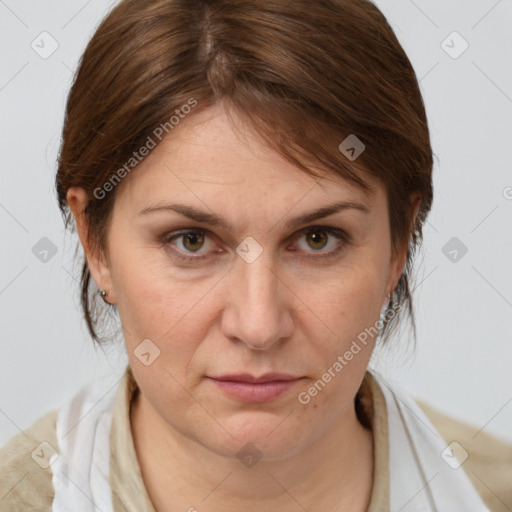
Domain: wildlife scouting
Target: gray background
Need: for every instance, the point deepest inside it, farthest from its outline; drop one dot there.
(462, 360)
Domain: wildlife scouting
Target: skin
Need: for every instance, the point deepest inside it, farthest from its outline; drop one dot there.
(285, 311)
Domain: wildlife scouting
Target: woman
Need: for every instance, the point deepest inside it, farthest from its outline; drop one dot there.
(232, 169)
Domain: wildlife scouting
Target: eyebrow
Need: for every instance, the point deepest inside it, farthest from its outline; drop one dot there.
(214, 219)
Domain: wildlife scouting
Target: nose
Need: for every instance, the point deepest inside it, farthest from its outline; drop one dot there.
(257, 305)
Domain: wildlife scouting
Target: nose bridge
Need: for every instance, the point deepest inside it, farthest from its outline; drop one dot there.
(257, 313)
(259, 284)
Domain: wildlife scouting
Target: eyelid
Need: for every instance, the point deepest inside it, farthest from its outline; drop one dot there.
(337, 232)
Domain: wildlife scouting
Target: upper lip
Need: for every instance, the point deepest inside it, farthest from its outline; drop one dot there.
(267, 377)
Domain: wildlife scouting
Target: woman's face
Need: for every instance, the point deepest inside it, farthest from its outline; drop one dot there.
(255, 295)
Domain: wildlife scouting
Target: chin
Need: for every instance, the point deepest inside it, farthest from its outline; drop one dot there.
(257, 435)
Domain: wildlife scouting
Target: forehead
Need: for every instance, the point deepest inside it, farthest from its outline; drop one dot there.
(211, 154)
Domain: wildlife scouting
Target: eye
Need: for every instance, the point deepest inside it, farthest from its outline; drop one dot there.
(189, 241)
(319, 238)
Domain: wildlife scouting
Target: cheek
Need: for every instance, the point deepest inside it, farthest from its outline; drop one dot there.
(142, 280)
(153, 304)
(349, 305)
(352, 296)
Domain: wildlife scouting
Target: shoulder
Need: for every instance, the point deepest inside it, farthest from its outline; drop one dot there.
(25, 473)
(489, 459)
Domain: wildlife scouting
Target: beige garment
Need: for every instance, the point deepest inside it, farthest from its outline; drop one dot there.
(24, 486)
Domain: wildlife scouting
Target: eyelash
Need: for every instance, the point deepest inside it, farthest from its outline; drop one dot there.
(337, 233)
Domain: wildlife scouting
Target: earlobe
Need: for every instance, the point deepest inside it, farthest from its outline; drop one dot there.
(98, 266)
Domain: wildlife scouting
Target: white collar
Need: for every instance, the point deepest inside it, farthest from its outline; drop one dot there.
(420, 479)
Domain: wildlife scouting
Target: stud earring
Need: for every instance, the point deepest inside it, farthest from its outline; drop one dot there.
(104, 294)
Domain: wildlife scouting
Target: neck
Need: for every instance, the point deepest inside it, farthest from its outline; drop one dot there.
(180, 473)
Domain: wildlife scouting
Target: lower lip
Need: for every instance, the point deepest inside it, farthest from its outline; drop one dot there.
(250, 392)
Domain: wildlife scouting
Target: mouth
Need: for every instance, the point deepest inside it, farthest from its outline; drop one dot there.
(249, 388)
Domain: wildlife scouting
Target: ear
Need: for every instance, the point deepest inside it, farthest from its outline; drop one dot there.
(100, 271)
(398, 264)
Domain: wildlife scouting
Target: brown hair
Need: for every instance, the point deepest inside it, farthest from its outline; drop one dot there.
(305, 74)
